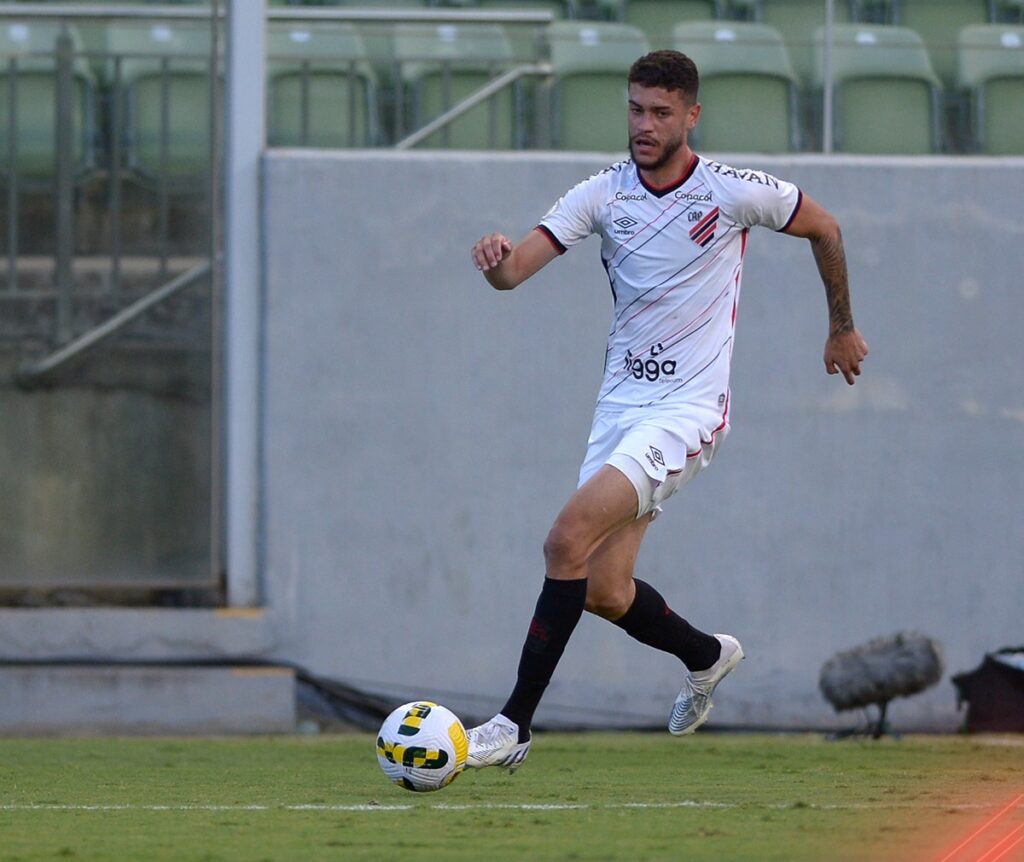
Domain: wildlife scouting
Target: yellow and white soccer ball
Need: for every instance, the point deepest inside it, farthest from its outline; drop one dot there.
(422, 746)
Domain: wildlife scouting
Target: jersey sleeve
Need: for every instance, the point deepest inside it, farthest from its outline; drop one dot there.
(764, 200)
(574, 216)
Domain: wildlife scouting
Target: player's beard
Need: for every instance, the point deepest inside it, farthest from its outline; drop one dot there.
(669, 150)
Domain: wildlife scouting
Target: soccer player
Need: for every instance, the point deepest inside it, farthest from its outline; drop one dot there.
(674, 228)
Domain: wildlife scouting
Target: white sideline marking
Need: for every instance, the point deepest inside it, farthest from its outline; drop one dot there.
(440, 806)
(476, 806)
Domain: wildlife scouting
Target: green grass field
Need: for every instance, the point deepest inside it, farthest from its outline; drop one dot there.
(626, 796)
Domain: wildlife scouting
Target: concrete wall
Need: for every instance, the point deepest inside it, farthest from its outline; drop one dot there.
(105, 477)
(421, 432)
(105, 700)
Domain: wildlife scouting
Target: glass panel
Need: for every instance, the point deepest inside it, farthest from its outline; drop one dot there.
(107, 379)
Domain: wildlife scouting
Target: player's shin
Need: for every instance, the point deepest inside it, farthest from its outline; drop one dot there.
(558, 610)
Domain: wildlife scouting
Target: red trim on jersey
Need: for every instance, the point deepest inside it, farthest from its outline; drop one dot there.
(551, 238)
(725, 421)
(661, 191)
(796, 209)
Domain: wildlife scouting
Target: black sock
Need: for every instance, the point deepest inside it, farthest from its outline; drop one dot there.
(559, 608)
(651, 621)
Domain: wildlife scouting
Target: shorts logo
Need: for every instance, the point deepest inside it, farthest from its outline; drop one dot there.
(655, 457)
(704, 231)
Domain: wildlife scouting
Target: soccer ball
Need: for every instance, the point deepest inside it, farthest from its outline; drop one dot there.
(422, 746)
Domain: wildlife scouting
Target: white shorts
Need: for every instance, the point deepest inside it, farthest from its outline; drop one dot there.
(657, 452)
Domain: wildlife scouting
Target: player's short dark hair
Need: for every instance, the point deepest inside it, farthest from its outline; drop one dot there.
(669, 70)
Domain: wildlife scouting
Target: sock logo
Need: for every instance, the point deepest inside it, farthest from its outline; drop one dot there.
(538, 636)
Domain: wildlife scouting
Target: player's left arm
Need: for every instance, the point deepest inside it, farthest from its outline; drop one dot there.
(845, 348)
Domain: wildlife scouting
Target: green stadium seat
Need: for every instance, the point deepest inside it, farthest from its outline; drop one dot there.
(165, 60)
(991, 71)
(524, 38)
(885, 93)
(938, 22)
(591, 62)
(797, 21)
(443, 64)
(321, 91)
(656, 18)
(28, 60)
(747, 86)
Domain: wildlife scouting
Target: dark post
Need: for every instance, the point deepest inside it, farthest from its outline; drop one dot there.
(64, 184)
(115, 178)
(12, 175)
(163, 193)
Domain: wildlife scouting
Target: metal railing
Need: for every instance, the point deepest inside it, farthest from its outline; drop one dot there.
(35, 372)
(111, 156)
(485, 93)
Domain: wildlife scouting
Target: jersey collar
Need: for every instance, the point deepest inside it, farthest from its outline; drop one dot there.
(661, 191)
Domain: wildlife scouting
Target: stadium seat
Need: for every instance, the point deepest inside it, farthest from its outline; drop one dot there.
(165, 76)
(797, 21)
(747, 85)
(991, 71)
(886, 95)
(656, 18)
(28, 52)
(588, 102)
(523, 38)
(443, 64)
(321, 91)
(938, 22)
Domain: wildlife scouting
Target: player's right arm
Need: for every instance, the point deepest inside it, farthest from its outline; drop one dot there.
(506, 266)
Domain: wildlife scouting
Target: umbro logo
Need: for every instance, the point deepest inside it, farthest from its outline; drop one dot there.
(654, 457)
(625, 222)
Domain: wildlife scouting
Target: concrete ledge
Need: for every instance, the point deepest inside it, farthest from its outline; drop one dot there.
(96, 699)
(134, 633)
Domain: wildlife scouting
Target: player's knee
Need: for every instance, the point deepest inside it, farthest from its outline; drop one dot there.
(606, 602)
(564, 547)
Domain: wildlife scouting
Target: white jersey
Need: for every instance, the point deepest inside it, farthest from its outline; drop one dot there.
(673, 257)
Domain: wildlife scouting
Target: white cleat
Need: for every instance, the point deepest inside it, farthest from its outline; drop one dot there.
(692, 706)
(496, 743)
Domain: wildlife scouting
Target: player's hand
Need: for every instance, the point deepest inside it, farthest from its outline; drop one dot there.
(490, 251)
(844, 352)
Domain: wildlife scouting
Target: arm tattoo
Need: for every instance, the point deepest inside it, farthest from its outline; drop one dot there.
(831, 260)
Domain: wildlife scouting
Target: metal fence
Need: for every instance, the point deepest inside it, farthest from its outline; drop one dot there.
(111, 132)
